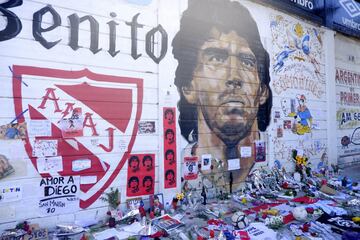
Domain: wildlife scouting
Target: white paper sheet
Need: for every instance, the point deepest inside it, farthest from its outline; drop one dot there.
(88, 179)
(39, 128)
(108, 233)
(81, 164)
(50, 164)
(245, 151)
(10, 192)
(206, 161)
(45, 148)
(233, 164)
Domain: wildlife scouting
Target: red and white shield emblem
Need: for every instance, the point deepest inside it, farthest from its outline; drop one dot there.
(110, 106)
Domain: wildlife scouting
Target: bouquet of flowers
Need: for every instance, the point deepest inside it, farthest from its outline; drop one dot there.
(301, 162)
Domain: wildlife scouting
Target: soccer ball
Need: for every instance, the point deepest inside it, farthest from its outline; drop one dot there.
(239, 220)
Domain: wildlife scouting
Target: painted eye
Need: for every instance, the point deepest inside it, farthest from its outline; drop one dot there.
(247, 60)
(215, 55)
(217, 58)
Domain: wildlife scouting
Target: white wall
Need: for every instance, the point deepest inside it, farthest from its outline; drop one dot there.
(277, 30)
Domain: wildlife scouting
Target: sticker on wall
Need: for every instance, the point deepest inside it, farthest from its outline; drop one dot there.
(10, 193)
(13, 131)
(109, 126)
(190, 168)
(73, 126)
(170, 170)
(140, 175)
(59, 195)
(146, 127)
(260, 151)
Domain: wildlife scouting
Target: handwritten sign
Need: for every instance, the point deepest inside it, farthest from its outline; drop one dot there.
(59, 195)
(37, 234)
(49, 164)
(45, 148)
(39, 128)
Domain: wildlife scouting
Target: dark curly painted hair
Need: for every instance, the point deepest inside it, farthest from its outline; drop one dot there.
(195, 26)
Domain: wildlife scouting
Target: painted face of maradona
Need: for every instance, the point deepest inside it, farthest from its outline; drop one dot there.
(226, 86)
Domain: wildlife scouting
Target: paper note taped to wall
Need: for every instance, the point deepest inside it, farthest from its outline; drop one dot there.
(45, 148)
(50, 164)
(10, 193)
(81, 164)
(245, 152)
(39, 128)
(233, 164)
(206, 161)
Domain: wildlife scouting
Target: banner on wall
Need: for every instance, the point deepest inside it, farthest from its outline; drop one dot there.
(170, 171)
(190, 168)
(311, 9)
(59, 195)
(346, 16)
(140, 175)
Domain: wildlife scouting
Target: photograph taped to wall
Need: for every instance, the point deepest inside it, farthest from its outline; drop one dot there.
(146, 127)
(12, 160)
(73, 126)
(13, 131)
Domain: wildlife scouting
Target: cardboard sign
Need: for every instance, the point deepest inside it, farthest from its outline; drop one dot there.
(59, 195)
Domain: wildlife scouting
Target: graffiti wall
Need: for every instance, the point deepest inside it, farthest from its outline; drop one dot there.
(145, 95)
(347, 80)
(299, 90)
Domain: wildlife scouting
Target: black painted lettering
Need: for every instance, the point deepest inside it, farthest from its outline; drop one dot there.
(134, 26)
(14, 26)
(74, 32)
(38, 30)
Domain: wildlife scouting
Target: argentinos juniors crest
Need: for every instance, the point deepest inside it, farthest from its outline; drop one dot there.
(109, 107)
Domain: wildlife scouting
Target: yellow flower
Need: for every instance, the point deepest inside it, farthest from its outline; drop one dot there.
(180, 196)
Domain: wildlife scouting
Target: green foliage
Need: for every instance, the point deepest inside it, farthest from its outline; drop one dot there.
(112, 198)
